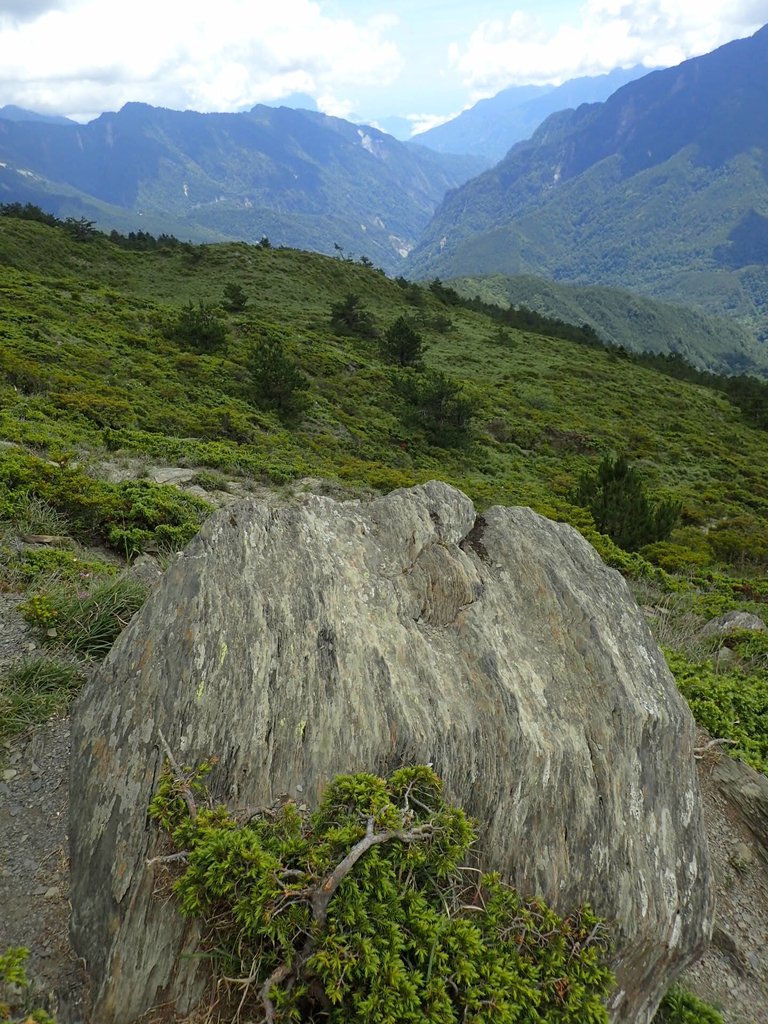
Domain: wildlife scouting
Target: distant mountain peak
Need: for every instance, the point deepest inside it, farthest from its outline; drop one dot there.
(10, 112)
(662, 188)
(492, 126)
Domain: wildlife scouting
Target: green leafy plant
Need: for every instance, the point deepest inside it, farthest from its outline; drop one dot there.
(732, 705)
(35, 689)
(361, 912)
(15, 990)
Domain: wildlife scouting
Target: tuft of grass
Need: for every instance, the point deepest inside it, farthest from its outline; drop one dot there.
(36, 516)
(87, 623)
(34, 690)
(209, 480)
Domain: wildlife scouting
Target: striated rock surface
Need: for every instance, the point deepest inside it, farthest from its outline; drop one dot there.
(301, 641)
(747, 792)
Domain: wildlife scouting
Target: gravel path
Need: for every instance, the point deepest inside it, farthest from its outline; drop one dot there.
(34, 857)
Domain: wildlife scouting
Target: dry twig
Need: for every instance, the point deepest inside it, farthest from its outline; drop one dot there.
(185, 789)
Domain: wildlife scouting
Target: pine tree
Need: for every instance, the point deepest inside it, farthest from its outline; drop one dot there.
(402, 343)
(275, 380)
(620, 507)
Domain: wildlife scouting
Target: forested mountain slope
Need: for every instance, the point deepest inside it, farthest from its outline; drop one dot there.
(630, 320)
(662, 189)
(299, 177)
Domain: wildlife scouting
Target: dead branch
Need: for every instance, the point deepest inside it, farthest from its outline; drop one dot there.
(699, 752)
(168, 858)
(185, 789)
(323, 893)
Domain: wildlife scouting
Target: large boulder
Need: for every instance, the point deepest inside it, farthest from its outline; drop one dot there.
(302, 641)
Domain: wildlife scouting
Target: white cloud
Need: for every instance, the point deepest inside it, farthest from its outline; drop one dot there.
(606, 34)
(96, 55)
(423, 122)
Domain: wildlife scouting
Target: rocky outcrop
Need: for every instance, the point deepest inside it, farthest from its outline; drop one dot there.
(747, 793)
(301, 641)
(732, 622)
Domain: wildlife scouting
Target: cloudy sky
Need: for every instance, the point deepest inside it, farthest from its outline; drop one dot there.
(424, 60)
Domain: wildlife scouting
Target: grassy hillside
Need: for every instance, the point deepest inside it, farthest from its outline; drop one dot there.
(89, 365)
(101, 371)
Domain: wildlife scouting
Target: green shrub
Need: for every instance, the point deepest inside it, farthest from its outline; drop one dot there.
(741, 540)
(15, 990)
(751, 646)
(676, 558)
(360, 912)
(33, 690)
(86, 622)
(128, 516)
(732, 705)
(41, 563)
(153, 514)
(681, 1007)
(200, 326)
(103, 408)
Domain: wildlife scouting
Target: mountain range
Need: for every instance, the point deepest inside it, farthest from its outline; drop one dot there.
(492, 126)
(663, 188)
(297, 176)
